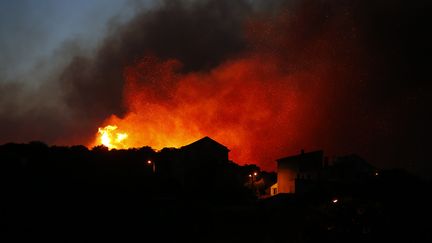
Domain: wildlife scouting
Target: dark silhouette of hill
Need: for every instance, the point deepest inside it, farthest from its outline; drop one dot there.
(73, 190)
(73, 194)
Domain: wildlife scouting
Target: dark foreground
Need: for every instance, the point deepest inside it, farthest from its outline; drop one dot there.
(76, 195)
(122, 216)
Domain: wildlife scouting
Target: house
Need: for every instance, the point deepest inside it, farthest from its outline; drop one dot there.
(349, 168)
(294, 171)
(274, 189)
(308, 172)
(194, 166)
(205, 149)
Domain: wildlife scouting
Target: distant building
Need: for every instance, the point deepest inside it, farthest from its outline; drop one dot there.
(274, 189)
(205, 149)
(195, 164)
(348, 168)
(311, 171)
(298, 167)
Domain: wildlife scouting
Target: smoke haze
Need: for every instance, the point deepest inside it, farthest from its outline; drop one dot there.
(265, 78)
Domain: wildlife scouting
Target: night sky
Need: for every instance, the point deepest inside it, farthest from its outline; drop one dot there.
(266, 78)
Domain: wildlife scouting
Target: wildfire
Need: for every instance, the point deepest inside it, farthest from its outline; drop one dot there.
(242, 116)
(109, 137)
(261, 105)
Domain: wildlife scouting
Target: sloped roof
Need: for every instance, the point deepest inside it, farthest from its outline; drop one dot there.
(304, 161)
(303, 155)
(206, 141)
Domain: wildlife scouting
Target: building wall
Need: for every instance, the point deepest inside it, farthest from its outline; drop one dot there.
(274, 189)
(286, 179)
(302, 166)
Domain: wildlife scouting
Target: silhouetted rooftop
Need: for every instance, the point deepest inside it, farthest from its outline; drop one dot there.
(205, 141)
(303, 155)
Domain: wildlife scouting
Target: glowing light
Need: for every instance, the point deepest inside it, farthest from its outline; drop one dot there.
(250, 175)
(121, 137)
(105, 140)
(149, 162)
(376, 174)
(109, 137)
(335, 200)
(197, 107)
(255, 174)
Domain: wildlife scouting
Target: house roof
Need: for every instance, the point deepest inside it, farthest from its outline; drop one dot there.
(206, 141)
(303, 155)
(303, 162)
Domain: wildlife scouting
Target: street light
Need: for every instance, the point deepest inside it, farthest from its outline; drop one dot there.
(149, 162)
(253, 176)
(253, 179)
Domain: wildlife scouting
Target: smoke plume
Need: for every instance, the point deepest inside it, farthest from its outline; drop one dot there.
(266, 78)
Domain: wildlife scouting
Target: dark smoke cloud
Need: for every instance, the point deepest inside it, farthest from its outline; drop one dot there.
(89, 88)
(377, 53)
(200, 35)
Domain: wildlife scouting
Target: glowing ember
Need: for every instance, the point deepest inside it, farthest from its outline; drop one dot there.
(109, 137)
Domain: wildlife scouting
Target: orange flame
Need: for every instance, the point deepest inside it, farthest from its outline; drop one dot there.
(269, 102)
(171, 109)
(109, 137)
